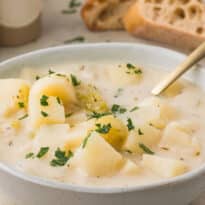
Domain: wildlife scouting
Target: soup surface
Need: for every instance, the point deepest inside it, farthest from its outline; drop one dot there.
(98, 125)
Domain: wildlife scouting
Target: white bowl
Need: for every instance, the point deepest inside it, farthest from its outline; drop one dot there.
(33, 190)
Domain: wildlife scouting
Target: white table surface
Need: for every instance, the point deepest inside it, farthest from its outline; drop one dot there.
(57, 28)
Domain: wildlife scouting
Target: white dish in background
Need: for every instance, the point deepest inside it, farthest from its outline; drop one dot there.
(33, 190)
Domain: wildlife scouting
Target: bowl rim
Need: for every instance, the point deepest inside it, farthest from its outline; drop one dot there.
(95, 189)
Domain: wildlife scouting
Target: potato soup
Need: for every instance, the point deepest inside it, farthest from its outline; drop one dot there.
(98, 125)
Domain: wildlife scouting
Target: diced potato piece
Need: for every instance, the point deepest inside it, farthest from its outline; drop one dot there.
(174, 89)
(157, 112)
(125, 74)
(77, 134)
(164, 167)
(130, 168)
(53, 86)
(178, 135)
(13, 96)
(90, 98)
(118, 132)
(53, 113)
(145, 134)
(52, 136)
(97, 157)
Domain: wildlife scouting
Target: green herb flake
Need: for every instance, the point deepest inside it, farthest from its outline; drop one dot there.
(69, 11)
(23, 117)
(97, 115)
(68, 115)
(29, 155)
(134, 109)
(145, 148)
(43, 151)
(37, 77)
(130, 66)
(61, 158)
(103, 129)
(44, 100)
(140, 132)
(118, 93)
(85, 141)
(128, 151)
(118, 109)
(44, 114)
(133, 69)
(74, 80)
(130, 125)
(50, 72)
(58, 100)
(74, 3)
(74, 40)
(21, 104)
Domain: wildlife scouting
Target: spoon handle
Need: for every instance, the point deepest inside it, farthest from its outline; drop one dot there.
(192, 59)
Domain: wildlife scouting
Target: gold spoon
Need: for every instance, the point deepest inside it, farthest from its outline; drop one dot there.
(192, 59)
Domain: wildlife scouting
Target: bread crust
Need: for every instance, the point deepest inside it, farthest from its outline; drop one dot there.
(136, 24)
(93, 10)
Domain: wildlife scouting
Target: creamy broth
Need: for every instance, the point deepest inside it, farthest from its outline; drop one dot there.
(157, 137)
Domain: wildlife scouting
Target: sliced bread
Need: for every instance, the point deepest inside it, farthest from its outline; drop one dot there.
(180, 23)
(105, 14)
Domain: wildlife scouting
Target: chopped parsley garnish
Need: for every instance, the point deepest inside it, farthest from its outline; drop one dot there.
(140, 132)
(118, 109)
(21, 104)
(134, 108)
(74, 80)
(51, 72)
(97, 115)
(37, 77)
(58, 100)
(85, 141)
(68, 115)
(128, 151)
(74, 3)
(76, 39)
(44, 114)
(29, 155)
(72, 7)
(103, 129)
(61, 75)
(130, 66)
(145, 148)
(43, 151)
(130, 125)
(133, 69)
(44, 100)
(61, 158)
(69, 11)
(23, 117)
(118, 93)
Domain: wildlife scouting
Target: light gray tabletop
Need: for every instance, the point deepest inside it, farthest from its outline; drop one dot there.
(58, 28)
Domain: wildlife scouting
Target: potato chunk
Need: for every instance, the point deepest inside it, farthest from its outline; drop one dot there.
(174, 90)
(164, 167)
(53, 113)
(13, 96)
(52, 136)
(90, 98)
(178, 135)
(130, 168)
(156, 112)
(125, 74)
(77, 134)
(118, 132)
(97, 157)
(144, 134)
